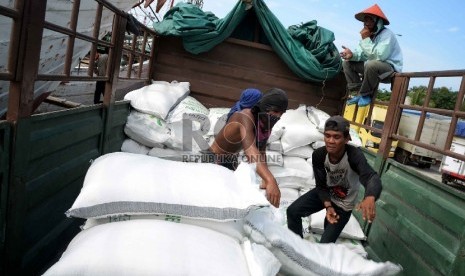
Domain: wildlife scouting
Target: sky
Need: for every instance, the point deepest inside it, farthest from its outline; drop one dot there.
(431, 33)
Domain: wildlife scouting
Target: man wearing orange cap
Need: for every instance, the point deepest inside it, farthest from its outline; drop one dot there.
(376, 57)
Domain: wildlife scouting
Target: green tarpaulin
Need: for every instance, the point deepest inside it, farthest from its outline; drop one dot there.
(307, 49)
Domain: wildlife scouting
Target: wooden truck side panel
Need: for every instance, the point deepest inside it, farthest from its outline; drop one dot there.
(218, 77)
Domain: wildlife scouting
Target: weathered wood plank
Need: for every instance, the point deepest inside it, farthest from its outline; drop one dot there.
(232, 66)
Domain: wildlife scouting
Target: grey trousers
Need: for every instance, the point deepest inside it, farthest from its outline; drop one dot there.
(364, 77)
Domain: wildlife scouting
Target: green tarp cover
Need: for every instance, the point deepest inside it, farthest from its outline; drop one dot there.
(307, 49)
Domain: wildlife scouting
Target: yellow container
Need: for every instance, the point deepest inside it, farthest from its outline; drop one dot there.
(370, 141)
(362, 112)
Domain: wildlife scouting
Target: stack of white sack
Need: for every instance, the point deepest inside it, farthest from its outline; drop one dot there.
(293, 137)
(144, 217)
(296, 136)
(201, 124)
(150, 216)
(165, 122)
(289, 150)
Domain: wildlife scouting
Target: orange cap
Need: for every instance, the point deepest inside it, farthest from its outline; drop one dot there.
(373, 10)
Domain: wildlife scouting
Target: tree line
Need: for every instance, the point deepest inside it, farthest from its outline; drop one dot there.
(441, 97)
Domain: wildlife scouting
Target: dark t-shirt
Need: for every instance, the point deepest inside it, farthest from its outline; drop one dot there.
(340, 182)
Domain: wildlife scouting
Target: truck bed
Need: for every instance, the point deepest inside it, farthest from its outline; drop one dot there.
(44, 157)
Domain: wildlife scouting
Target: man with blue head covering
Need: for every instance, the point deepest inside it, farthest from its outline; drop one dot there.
(248, 99)
(376, 58)
(248, 129)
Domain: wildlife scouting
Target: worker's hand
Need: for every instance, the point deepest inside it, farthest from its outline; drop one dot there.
(273, 194)
(346, 53)
(365, 32)
(331, 215)
(368, 208)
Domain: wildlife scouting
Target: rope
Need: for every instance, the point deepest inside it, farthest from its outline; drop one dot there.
(322, 90)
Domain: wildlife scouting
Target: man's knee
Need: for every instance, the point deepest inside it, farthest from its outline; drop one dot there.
(376, 66)
(372, 65)
(291, 211)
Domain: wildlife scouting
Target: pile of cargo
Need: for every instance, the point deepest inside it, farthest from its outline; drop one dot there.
(164, 111)
(150, 216)
(147, 213)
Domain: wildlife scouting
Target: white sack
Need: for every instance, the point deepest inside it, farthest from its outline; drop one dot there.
(233, 229)
(317, 117)
(291, 174)
(217, 119)
(277, 131)
(291, 178)
(298, 163)
(125, 183)
(311, 181)
(352, 230)
(191, 116)
(317, 144)
(288, 196)
(274, 158)
(260, 260)
(182, 131)
(303, 152)
(159, 97)
(175, 155)
(151, 247)
(301, 257)
(209, 139)
(189, 109)
(299, 130)
(275, 146)
(354, 245)
(301, 185)
(132, 146)
(146, 129)
(187, 136)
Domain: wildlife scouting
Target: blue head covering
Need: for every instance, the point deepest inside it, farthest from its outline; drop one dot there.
(248, 99)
